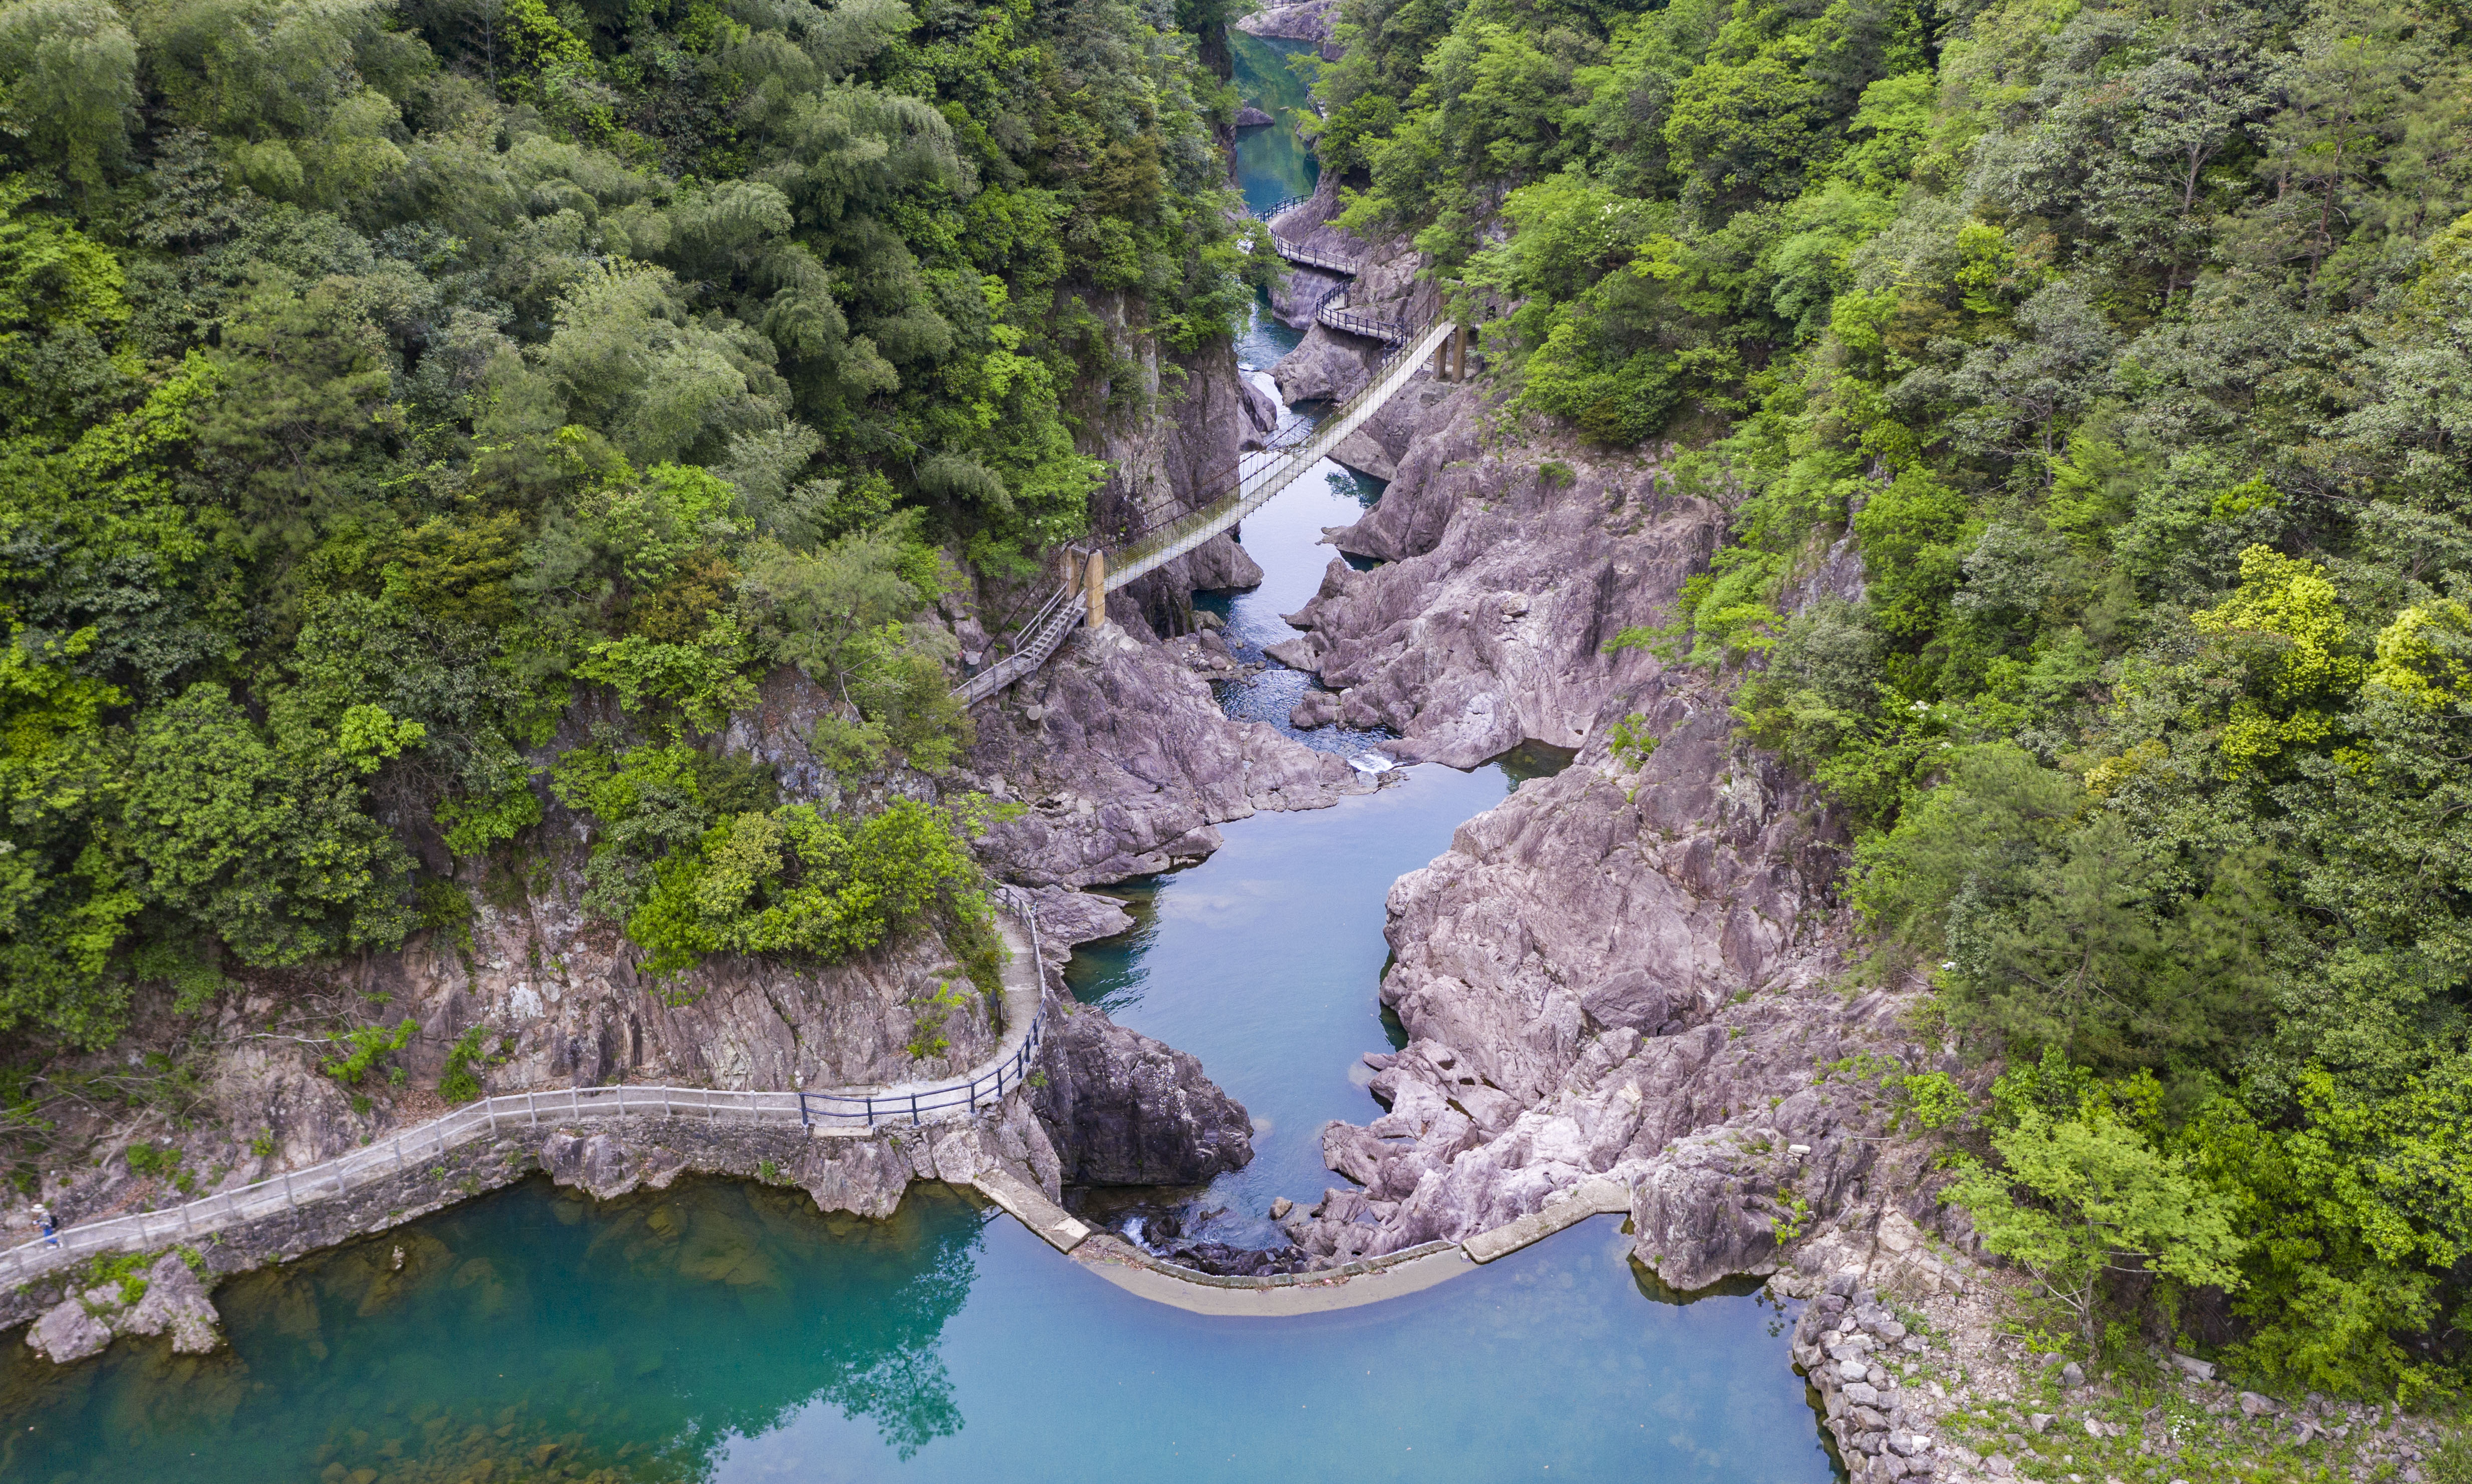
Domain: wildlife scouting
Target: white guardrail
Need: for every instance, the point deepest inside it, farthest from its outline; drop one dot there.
(854, 1110)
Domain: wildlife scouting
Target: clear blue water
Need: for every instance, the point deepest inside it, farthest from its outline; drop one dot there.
(1271, 163)
(1283, 538)
(724, 1331)
(1265, 959)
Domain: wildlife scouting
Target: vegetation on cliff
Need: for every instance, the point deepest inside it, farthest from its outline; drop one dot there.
(379, 377)
(2126, 344)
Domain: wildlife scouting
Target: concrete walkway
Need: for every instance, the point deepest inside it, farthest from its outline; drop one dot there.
(1021, 1000)
(1351, 1285)
(824, 1113)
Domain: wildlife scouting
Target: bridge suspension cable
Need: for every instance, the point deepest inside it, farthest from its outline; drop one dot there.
(1256, 481)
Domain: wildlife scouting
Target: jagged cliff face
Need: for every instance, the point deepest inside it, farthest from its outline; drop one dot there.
(1328, 365)
(1170, 450)
(1127, 764)
(1505, 572)
(1624, 970)
(1118, 746)
(562, 1003)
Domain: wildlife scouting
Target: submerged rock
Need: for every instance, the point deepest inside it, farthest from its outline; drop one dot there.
(1123, 1109)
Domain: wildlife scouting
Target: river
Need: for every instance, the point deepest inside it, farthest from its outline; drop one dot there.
(725, 1331)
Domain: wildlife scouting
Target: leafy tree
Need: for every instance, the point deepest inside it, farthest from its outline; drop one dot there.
(64, 900)
(2126, 344)
(2078, 1198)
(796, 882)
(69, 68)
(269, 848)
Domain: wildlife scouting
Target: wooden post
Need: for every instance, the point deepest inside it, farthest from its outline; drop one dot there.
(1097, 587)
(1072, 570)
(1443, 361)
(1459, 351)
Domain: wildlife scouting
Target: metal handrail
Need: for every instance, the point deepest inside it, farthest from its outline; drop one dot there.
(1043, 643)
(1024, 628)
(1298, 252)
(1256, 477)
(868, 1109)
(1332, 310)
(290, 1189)
(1397, 366)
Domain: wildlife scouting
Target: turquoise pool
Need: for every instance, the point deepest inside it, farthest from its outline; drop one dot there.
(724, 1331)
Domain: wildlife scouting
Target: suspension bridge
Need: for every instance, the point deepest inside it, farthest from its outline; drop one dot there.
(1091, 572)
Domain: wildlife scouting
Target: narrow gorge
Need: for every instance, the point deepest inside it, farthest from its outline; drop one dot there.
(1678, 906)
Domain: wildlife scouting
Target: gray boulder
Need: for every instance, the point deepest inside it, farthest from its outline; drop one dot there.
(67, 1332)
(1123, 1109)
(604, 1167)
(863, 1176)
(173, 1301)
(1318, 708)
(1632, 1000)
(1261, 416)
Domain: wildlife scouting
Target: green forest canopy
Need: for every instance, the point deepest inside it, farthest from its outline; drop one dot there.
(374, 374)
(2131, 345)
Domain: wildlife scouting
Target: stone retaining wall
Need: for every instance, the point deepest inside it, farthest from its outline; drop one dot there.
(1849, 1347)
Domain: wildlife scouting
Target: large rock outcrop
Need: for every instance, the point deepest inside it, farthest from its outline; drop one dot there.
(1308, 21)
(1506, 570)
(1334, 365)
(1127, 764)
(1123, 1109)
(1178, 452)
(1629, 969)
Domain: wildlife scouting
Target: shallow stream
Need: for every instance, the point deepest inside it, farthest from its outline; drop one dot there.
(727, 1331)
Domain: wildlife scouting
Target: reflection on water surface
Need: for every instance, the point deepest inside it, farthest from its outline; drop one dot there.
(727, 1331)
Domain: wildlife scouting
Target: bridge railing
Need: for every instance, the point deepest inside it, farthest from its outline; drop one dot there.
(840, 1109)
(1164, 543)
(1038, 638)
(871, 1110)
